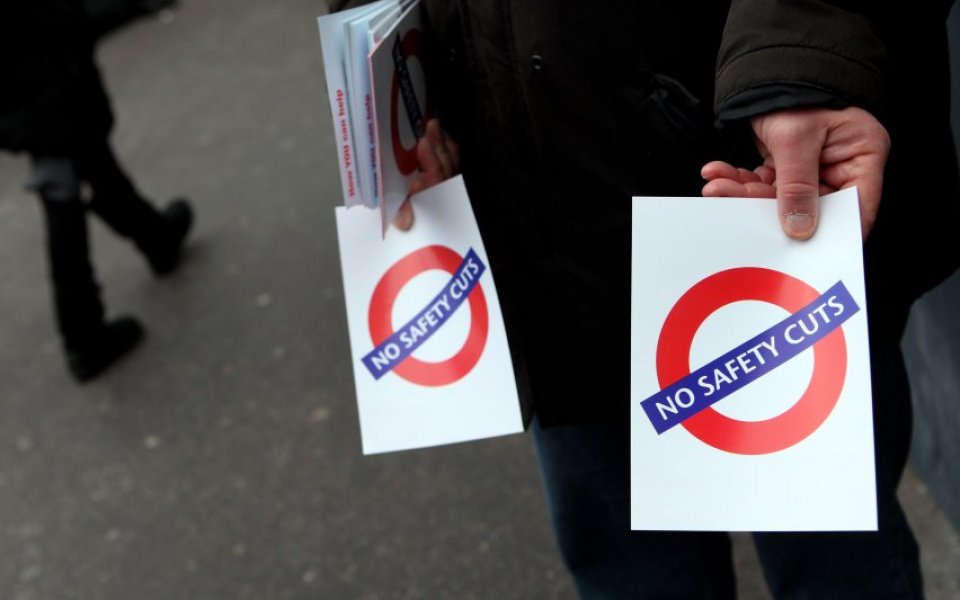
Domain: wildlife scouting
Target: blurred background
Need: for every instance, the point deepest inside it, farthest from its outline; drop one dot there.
(221, 459)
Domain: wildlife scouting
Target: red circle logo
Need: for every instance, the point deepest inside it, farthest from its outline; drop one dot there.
(763, 285)
(380, 318)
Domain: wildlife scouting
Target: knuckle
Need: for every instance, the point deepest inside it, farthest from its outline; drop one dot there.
(797, 191)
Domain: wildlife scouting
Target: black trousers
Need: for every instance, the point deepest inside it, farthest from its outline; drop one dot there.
(59, 182)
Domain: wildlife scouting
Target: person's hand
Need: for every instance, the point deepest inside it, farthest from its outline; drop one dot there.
(807, 153)
(439, 159)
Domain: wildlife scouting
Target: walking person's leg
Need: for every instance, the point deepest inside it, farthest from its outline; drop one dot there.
(159, 234)
(90, 342)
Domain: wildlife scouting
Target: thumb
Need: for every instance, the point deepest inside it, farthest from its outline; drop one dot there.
(403, 220)
(795, 150)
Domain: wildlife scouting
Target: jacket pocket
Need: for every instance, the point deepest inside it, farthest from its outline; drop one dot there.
(681, 123)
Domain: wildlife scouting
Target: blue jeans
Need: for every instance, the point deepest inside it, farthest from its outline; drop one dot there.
(586, 472)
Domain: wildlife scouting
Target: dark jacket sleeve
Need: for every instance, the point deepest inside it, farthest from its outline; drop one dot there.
(834, 48)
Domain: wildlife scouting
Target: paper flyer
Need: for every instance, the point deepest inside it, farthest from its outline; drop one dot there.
(401, 106)
(750, 374)
(336, 67)
(361, 104)
(376, 85)
(430, 357)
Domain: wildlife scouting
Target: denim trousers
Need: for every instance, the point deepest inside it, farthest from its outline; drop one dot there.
(586, 473)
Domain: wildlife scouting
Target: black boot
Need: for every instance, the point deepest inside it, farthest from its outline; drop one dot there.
(163, 250)
(115, 339)
(158, 234)
(90, 344)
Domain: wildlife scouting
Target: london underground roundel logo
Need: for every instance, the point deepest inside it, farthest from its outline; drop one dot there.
(393, 347)
(686, 396)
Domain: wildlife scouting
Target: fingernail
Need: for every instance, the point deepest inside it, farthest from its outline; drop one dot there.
(799, 224)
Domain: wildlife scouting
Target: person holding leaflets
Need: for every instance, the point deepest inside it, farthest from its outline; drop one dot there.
(562, 111)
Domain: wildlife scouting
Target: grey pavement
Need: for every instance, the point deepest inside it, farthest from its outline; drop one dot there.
(222, 459)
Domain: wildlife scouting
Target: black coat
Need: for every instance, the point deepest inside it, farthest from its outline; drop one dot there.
(52, 100)
(566, 109)
(894, 62)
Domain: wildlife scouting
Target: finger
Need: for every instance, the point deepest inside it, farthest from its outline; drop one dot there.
(867, 167)
(434, 137)
(722, 170)
(727, 188)
(723, 188)
(417, 186)
(766, 174)
(759, 189)
(747, 176)
(444, 159)
(867, 175)
(454, 150)
(869, 190)
(718, 170)
(445, 149)
(795, 151)
(430, 169)
(433, 132)
(404, 217)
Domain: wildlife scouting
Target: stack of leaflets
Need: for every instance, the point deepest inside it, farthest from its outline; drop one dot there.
(377, 90)
(430, 355)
